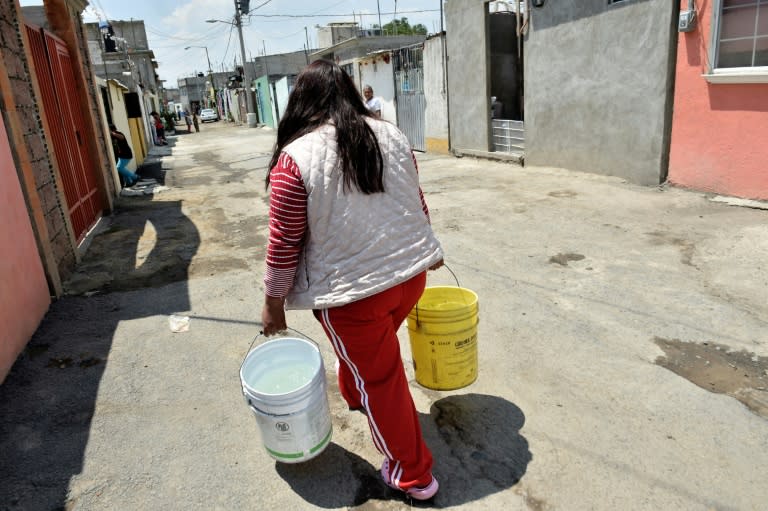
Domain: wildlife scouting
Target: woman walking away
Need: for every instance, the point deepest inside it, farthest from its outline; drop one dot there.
(350, 238)
(124, 155)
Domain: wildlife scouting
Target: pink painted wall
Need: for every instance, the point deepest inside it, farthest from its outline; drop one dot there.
(24, 296)
(719, 131)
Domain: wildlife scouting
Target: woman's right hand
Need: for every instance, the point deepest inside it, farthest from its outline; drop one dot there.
(273, 315)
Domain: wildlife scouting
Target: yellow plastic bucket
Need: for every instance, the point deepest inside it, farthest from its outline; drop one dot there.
(442, 328)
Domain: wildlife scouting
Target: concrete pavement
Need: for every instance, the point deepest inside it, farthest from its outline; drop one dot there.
(623, 347)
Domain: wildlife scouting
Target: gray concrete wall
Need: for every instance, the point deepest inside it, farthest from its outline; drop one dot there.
(598, 82)
(435, 93)
(290, 63)
(468, 84)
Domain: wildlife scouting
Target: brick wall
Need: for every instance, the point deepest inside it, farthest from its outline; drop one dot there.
(30, 126)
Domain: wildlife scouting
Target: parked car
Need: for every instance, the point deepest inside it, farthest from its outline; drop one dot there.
(208, 114)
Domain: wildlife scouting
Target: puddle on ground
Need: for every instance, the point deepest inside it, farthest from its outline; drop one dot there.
(563, 194)
(563, 259)
(714, 367)
(686, 247)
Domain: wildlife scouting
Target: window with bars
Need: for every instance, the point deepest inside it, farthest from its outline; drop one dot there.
(742, 34)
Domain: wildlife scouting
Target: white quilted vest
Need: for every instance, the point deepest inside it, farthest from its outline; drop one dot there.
(358, 245)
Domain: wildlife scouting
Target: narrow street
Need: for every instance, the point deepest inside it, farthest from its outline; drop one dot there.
(623, 351)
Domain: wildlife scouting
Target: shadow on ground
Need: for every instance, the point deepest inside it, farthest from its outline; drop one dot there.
(146, 244)
(476, 443)
(47, 400)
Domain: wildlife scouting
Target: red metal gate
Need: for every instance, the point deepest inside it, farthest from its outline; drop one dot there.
(56, 77)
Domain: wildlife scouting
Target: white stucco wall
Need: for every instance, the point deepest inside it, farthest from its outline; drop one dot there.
(436, 95)
(378, 73)
(120, 120)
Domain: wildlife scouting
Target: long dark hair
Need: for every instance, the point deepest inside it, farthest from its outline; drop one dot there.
(325, 93)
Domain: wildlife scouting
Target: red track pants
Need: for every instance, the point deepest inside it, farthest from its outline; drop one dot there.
(371, 376)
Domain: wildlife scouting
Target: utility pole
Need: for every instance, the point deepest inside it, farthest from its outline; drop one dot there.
(210, 69)
(210, 78)
(266, 64)
(251, 117)
(394, 18)
(210, 74)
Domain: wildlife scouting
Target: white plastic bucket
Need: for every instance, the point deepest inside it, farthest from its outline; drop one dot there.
(283, 383)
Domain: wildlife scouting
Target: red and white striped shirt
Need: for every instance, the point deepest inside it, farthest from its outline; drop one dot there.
(288, 224)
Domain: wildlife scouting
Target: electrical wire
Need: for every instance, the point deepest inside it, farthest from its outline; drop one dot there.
(289, 35)
(338, 15)
(202, 37)
(259, 6)
(229, 39)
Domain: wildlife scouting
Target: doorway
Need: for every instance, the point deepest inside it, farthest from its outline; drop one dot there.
(506, 25)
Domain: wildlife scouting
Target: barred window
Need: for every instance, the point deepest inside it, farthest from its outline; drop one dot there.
(742, 40)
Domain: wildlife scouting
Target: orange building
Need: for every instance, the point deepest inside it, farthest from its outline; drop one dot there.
(720, 119)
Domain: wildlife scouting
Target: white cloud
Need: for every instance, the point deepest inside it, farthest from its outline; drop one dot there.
(194, 12)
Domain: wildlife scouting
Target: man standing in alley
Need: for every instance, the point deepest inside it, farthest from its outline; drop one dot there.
(373, 103)
(188, 120)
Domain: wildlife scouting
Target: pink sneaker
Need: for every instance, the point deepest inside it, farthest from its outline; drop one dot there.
(415, 492)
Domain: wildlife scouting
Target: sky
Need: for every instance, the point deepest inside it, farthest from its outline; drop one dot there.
(275, 26)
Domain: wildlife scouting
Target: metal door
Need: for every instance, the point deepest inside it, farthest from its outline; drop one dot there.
(56, 78)
(408, 66)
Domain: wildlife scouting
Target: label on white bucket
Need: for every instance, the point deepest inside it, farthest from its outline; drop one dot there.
(299, 436)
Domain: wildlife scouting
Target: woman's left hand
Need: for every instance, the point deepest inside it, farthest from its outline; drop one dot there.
(437, 265)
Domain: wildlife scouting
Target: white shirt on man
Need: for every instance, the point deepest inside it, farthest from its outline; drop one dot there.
(374, 104)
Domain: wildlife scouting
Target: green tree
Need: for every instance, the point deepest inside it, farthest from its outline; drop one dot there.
(402, 27)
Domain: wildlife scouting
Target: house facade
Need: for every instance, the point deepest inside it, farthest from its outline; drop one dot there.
(651, 91)
(720, 117)
(392, 65)
(56, 159)
(24, 297)
(119, 53)
(591, 82)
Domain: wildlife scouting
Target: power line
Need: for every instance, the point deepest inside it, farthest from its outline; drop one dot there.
(229, 39)
(201, 37)
(289, 35)
(337, 15)
(259, 6)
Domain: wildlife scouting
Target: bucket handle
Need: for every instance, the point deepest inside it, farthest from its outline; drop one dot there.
(261, 334)
(418, 323)
(454, 275)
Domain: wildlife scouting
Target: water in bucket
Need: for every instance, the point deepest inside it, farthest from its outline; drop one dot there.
(283, 378)
(283, 382)
(442, 328)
